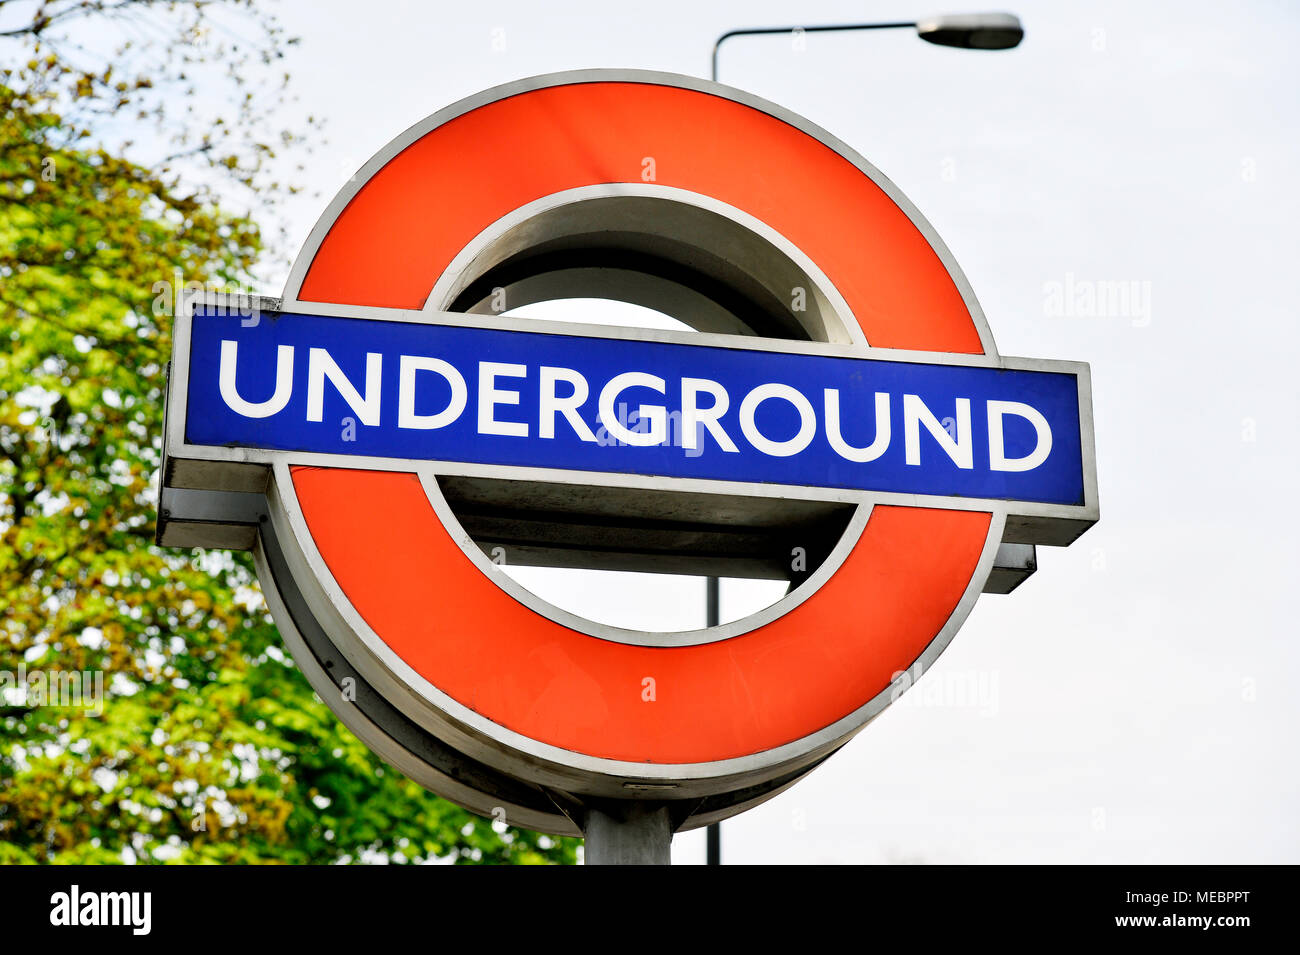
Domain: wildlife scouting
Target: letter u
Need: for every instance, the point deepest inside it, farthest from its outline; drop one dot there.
(256, 409)
(835, 435)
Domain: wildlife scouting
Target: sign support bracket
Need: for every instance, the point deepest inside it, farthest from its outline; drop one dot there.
(628, 833)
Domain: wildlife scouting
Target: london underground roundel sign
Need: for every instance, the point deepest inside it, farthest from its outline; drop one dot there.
(384, 439)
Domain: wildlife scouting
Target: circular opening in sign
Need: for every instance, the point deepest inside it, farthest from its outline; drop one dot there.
(598, 311)
(659, 259)
(688, 256)
(663, 602)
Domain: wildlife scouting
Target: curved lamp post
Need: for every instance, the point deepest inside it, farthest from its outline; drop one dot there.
(971, 31)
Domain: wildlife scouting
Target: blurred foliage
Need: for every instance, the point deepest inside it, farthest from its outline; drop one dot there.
(209, 746)
(186, 89)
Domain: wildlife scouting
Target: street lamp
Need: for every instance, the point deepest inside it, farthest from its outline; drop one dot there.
(971, 31)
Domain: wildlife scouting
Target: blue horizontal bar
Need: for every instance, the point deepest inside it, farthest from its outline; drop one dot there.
(785, 438)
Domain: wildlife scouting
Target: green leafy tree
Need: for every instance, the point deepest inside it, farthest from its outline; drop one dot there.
(207, 744)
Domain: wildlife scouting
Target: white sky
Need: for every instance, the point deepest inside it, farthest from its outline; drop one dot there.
(1137, 703)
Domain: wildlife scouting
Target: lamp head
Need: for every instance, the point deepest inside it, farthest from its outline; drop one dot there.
(974, 31)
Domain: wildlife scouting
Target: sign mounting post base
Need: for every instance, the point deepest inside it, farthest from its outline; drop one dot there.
(635, 833)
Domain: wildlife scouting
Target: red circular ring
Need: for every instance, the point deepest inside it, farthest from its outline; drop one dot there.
(426, 600)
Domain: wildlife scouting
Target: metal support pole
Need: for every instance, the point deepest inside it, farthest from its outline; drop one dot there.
(635, 833)
(713, 851)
